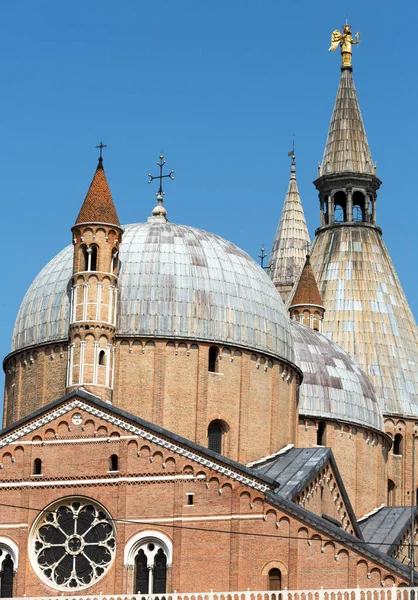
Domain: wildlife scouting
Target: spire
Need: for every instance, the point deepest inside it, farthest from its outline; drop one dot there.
(307, 292)
(289, 246)
(98, 205)
(346, 148)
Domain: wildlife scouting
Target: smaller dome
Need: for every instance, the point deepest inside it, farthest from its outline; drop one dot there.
(334, 386)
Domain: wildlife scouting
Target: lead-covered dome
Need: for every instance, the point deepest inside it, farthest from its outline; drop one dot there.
(175, 282)
(334, 386)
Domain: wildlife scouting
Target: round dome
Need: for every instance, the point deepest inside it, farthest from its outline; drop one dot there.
(334, 386)
(175, 282)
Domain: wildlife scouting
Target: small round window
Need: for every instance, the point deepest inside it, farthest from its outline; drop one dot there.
(73, 544)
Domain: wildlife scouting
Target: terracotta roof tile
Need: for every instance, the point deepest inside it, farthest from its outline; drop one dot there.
(307, 289)
(98, 205)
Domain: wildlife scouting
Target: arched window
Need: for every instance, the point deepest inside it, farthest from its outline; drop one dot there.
(359, 207)
(114, 268)
(398, 444)
(340, 207)
(114, 463)
(6, 577)
(213, 359)
(141, 574)
(151, 569)
(37, 467)
(93, 258)
(85, 258)
(391, 493)
(275, 579)
(160, 572)
(216, 430)
(320, 434)
(102, 358)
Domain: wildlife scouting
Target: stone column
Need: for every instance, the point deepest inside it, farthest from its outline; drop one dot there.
(349, 209)
(330, 209)
(367, 208)
(374, 209)
(321, 212)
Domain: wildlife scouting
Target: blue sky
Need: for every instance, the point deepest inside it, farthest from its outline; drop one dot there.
(220, 86)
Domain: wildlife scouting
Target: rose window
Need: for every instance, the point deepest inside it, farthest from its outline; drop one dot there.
(73, 544)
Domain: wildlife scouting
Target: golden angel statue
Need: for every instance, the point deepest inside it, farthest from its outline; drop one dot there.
(345, 40)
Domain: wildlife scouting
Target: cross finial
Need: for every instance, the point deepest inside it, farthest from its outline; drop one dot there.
(160, 164)
(262, 256)
(100, 147)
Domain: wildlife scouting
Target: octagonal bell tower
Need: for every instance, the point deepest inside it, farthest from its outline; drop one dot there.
(97, 235)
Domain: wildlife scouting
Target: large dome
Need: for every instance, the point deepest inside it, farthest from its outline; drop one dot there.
(334, 386)
(175, 282)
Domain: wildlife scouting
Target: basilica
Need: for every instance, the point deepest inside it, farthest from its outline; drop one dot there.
(174, 421)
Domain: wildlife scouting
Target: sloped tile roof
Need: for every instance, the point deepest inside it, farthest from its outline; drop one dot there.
(307, 289)
(98, 205)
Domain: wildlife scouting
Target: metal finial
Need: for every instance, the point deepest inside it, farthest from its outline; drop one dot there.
(101, 146)
(308, 251)
(262, 256)
(160, 164)
(292, 151)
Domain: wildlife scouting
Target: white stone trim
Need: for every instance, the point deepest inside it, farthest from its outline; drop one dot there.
(137, 431)
(109, 480)
(9, 547)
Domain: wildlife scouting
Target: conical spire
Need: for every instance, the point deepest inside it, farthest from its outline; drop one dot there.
(347, 148)
(307, 292)
(98, 205)
(289, 246)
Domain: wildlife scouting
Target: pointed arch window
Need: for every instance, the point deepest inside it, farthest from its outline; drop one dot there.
(7, 577)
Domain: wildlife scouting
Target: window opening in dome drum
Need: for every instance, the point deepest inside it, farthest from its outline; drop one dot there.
(391, 493)
(114, 462)
(275, 579)
(6, 577)
(213, 359)
(114, 265)
(37, 466)
(215, 431)
(92, 266)
(320, 434)
(340, 207)
(102, 358)
(398, 444)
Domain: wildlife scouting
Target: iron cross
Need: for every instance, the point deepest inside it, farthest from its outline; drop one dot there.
(160, 164)
(262, 256)
(101, 146)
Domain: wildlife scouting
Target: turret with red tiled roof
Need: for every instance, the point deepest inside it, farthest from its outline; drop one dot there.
(306, 306)
(97, 236)
(98, 206)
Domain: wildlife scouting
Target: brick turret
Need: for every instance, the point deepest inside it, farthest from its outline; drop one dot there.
(97, 235)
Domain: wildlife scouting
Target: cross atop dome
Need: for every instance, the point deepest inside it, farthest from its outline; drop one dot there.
(159, 211)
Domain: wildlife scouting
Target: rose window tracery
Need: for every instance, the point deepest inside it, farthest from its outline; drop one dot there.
(73, 544)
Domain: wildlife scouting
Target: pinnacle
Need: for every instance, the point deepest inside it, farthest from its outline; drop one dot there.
(347, 148)
(289, 246)
(307, 291)
(98, 206)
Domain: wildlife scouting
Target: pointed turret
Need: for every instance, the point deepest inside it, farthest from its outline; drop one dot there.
(97, 236)
(98, 204)
(287, 256)
(306, 305)
(367, 312)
